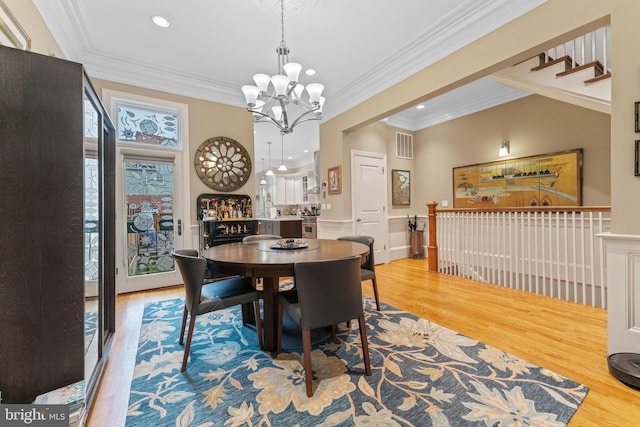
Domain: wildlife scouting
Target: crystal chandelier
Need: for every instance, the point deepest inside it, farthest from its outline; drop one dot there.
(276, 107)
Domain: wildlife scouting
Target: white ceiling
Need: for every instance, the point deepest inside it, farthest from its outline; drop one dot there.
(212, 47)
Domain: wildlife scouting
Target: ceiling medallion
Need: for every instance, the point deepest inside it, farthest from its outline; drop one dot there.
(222, 164)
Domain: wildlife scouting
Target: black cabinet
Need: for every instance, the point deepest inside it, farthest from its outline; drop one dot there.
(45, 104)
(214, 233)
(224, 218)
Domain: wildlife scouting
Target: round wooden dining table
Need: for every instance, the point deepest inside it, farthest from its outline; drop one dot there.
(271, 260)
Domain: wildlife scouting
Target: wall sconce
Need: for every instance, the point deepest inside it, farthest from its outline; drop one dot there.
(504, 149)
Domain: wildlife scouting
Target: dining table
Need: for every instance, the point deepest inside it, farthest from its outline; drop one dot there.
(273, 259)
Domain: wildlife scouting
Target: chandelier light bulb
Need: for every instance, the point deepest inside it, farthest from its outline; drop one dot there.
(262, 82)
(315, 91)
(280, 84)
(251, 94)
(293, 71)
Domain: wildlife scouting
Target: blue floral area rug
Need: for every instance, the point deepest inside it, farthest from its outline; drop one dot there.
(422, 375)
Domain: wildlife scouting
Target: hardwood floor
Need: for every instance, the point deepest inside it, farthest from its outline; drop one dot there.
(564, 337)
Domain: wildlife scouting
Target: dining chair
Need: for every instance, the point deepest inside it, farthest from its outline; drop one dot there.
(368, 269)
(203, 297)
(326, 293)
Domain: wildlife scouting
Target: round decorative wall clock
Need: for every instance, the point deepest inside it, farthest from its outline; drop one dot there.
(223, 164)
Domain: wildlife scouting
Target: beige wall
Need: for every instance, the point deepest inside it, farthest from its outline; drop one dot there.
(533, 125)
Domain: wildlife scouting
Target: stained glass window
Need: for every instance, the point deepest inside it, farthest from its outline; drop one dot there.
(146, 125)
(149, 202)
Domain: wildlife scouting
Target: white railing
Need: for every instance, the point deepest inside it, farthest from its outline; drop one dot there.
(552, 252)
(591, 47)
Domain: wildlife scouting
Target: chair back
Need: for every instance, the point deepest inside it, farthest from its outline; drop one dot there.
(329, 292)
(369, 264)
(257, 237)
(192, 269)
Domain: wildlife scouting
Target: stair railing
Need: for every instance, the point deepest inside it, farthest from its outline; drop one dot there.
(548, 251)
(590, 47)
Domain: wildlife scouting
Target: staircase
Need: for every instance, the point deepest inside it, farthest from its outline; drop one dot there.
(576, 72)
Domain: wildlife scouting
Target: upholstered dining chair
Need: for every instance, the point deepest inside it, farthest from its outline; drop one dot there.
(368, 269)
(327, 293)
(201, 297)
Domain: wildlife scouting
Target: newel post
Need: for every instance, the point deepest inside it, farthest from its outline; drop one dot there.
(432, 249)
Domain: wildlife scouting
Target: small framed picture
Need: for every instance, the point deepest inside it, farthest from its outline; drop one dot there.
(637, 116)
(400, 187)
(335, 180)
(637, 159)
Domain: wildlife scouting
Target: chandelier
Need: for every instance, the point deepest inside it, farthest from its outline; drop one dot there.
(277, 106)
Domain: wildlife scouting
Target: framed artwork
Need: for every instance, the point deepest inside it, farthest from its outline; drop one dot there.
(335, 180)
(553, 179)
(637, 157)
(11, 32)
(637, 116)
(400, 187)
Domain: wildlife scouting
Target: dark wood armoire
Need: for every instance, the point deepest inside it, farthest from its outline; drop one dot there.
(51, 123)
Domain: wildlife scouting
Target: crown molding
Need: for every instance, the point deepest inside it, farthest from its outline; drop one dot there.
(471, 20)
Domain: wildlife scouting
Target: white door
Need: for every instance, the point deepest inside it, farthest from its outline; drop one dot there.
(152, 189)
(369, 200)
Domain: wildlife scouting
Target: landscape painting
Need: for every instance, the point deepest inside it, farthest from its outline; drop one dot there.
(543, 180)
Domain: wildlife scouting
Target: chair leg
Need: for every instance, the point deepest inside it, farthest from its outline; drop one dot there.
(375, 292)
(192, 323)
(334, 327)
(306, 346)
(184, 323)
(256, 308)
(247, 314)
(279, 337)
(365, 345)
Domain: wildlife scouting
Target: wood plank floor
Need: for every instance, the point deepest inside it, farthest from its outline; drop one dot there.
(564, 337)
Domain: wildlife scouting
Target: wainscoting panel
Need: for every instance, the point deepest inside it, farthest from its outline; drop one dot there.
(623, 285)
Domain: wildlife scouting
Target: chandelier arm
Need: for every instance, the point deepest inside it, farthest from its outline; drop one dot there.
(266, 116)
(285, 119)
(299, 119)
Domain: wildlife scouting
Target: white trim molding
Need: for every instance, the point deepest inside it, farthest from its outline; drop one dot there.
(623, 283)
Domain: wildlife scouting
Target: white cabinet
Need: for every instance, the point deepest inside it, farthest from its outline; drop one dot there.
(279, 198)
(298, 189)
(290, 189)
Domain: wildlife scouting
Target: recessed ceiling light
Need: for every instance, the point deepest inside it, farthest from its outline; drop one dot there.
(419, 107)
(160, 21)
(306, 151)
(310, 72)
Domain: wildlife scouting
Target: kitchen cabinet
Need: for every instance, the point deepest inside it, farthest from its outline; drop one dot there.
(287, 228)
(57, 257)
(290, 189)
(279, 196)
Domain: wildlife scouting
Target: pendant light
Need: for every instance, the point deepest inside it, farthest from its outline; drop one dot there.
(282, 167)
(269, 172)
(263, 180)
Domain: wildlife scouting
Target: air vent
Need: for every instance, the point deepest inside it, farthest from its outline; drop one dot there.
(404, 146)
